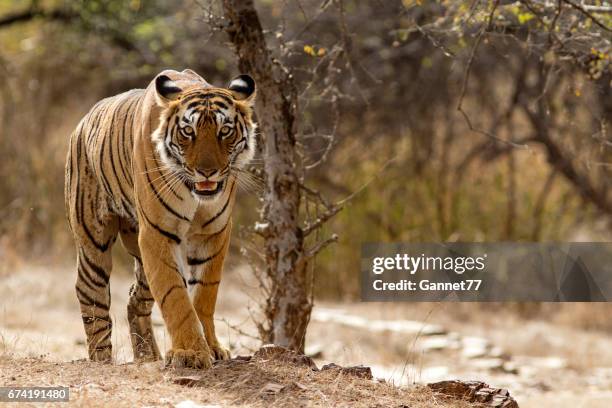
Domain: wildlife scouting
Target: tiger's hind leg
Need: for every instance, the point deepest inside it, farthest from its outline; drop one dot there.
(140, 303)
(139, 309)
(94, 229)
(95, 236)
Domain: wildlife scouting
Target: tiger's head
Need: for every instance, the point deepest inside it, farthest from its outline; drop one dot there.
(205, 134)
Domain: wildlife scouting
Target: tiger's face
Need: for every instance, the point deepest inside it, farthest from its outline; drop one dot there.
(205, 134)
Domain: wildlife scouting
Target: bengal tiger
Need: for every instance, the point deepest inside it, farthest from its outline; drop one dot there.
(159, 167)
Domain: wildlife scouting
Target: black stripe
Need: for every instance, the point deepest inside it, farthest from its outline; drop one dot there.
(171, 266)
(168, 293)
(176, 270)
(132, 110)
(161, 200)
(221, 105)
(124, 195)
(163, 176)
(126, 157)
(79, 200)
(200, 261)
(201, 98)
(101, 329)
(144, 285)
(101, 247)
(214, 234)
(85, 299)
(96, 117)
(160, 230)
(105, 137)
(136, 256)
(143, 299)
(105, 181)
(200, 282)
(229, 197)
(94, 205)
(197, 261)
(104, 338)
(97, 269)
(88, 281)
(93, 319)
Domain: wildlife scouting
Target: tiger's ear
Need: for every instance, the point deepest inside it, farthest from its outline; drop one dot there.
(167, 90)
(243, 88)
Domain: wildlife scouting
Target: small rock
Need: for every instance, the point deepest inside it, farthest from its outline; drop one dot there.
(551, 362)
(488, 363)
(474, 347)
(510, 367)
(189, 381)
(293, 387)
(437, 342)
(356, 371)
(314, 351)
(475, 391)
(93, 386)
(271, 388)
(273, 352)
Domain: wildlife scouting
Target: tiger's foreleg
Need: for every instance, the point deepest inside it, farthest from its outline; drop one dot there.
(206, 285)
(189, 347)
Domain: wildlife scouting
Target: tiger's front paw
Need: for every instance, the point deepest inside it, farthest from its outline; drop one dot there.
(219, 353)
(180, 358)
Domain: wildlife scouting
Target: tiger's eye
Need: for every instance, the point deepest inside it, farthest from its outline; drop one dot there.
(225, 131)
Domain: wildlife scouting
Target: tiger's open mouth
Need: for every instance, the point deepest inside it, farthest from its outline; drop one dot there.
(207, 188)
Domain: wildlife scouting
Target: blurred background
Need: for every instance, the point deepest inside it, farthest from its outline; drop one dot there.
(440, 120)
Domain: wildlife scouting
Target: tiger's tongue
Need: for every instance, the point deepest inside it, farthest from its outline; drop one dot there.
(206, 185)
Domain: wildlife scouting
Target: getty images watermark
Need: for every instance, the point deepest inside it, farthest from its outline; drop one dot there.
(412, 264)
(548, 272)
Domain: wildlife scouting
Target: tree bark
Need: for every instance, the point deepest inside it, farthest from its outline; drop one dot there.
(289, 306)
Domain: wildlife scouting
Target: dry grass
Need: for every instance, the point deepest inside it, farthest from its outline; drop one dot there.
(236, 383)
(39, 314)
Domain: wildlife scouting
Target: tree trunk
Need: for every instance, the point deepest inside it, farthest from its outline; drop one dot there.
(289, 306)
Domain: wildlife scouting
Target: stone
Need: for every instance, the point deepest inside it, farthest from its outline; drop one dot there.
(356, 371)
(475, 391)
(282, 354)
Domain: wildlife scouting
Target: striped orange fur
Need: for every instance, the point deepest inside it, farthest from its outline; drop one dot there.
(159, 167)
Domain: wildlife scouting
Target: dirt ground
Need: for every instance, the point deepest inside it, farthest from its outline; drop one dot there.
(542, 364)
(235, 383)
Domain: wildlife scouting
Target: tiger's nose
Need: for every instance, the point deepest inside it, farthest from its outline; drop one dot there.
(207, 172)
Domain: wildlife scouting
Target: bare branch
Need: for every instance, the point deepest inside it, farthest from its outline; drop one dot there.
(466, 77)
(33, 12)
(319, 246)
(329, 214)
(587, 13)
